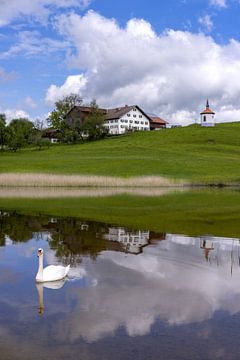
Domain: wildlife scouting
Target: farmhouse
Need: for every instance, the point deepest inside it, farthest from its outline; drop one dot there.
(52, 135)
(118, 120)
(126, 118)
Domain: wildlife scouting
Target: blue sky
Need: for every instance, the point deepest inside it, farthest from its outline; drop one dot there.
(165, 56)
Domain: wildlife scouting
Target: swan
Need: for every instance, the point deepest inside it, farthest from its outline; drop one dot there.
(51, 272)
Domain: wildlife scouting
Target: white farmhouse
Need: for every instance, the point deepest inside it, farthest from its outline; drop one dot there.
(207, 116)
(127, 118)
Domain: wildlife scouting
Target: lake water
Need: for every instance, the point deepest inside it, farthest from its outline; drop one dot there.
(130, 294)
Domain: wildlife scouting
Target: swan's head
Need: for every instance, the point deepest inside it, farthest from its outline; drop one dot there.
(40, 252)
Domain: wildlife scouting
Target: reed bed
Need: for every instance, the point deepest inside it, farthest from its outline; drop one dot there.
(52, 193)
(55, 180)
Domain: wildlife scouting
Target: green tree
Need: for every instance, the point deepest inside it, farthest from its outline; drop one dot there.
(57, 117)
(19, 133)
(2, 130)
(94, 124)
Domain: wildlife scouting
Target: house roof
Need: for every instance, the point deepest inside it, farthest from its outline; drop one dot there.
(121, 111)
(110, 114)
(157, 120)
(51, 133)
(86, 109)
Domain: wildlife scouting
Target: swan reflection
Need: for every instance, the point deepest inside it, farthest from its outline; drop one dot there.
(54, 285)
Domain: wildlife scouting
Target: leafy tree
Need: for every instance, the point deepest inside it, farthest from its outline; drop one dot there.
(94, 124)
(2, 130)
(19, 133)
(57, 117)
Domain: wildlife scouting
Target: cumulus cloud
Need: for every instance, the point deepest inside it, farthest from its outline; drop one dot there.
(37, 9)
(171, 73)
(73, 84)
(14, 114)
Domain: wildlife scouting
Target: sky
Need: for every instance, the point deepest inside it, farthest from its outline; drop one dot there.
(167, 57)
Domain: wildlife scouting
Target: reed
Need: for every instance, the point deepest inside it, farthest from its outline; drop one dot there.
(58, 193)
(55, 180)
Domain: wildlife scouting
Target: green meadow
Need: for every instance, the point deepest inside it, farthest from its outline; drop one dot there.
(195, 154)
(197, 212)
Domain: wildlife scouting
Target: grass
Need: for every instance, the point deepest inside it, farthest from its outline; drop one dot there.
(195, 154)
(196, 212)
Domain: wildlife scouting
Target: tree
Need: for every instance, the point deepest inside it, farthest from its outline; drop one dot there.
(94, 124)
(57, 117)
(19, 133)
(2, 130)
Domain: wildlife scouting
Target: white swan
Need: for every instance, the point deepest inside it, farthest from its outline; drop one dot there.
(50, 273)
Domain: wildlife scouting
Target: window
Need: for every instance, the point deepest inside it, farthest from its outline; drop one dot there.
(134, 109)
(128, 115)
(142, 122)
(134, 115)
(140, 116)
(146, 123)
(131, 121)
(136, 122)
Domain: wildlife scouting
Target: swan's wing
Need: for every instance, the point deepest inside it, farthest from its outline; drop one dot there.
(55, 272)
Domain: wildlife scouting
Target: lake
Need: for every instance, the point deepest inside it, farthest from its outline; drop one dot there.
(132, 293)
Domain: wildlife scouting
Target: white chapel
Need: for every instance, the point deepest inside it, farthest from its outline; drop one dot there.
(207, 116)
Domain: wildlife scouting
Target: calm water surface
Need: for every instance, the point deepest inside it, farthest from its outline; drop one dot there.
(131, 294)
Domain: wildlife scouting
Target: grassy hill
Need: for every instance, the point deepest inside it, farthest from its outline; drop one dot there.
(195, 154)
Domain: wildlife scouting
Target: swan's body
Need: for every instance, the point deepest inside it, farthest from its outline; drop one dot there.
(51, 272)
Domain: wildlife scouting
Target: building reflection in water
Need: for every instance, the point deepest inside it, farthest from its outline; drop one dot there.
(217, 251)
(72, 239)
(133, 241)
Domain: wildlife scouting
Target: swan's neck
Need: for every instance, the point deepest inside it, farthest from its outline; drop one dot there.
(39, 276)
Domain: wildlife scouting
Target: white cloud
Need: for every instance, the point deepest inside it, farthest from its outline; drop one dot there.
(31, 43)
(73, 84)
(37, 9)
(171, 74)
(15, 114)
(219, 3)
(206, 22)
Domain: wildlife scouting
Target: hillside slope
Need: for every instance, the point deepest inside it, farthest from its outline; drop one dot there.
(196, 154)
